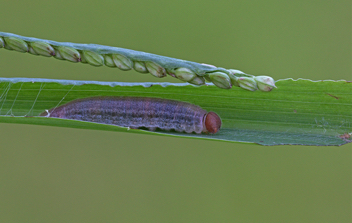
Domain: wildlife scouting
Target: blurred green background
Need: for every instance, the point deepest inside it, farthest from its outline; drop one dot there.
(51, 174)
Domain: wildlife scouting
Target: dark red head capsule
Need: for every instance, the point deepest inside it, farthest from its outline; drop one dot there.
(212, 122)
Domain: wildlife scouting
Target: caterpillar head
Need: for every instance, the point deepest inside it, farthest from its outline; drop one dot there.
(212, 122)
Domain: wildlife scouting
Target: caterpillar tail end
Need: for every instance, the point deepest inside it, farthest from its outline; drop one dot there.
(46, 113)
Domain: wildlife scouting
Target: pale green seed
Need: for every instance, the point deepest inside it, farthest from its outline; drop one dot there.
(122, 62)
(109, 61)
(140, 67)
(16, 44)
(93, 58)
(247, 83)
(206, 77)
(155, 69)
(7, 47)
(31, 51)
(234, 74)
(265, 83)
(238, 72)
(43, 49)
(197, 81)
(2, 43)
(83, 60)
(234, 80)
(58, 55)
(220, 79)
(184, 74)
(69, 53)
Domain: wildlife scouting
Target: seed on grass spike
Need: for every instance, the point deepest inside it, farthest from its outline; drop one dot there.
(83, 60)
(43, 48)
(108, 61)
(207, 78)
(122, 62)
(197, 81)
(93, 58)
(184, 74)
(16, 44)
(2, 43)
(69, 53)
(220, 80)
(31, 51)
(247, 83)
(233, 78)
(140, 67)
(58, 55)
(265, 83)
(155, 69)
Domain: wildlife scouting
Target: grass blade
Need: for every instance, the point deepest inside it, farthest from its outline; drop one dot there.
(300, 112)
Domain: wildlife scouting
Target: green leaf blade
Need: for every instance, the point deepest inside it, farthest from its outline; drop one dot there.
(298, 112)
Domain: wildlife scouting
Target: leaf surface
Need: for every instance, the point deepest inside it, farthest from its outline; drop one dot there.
(297, 112)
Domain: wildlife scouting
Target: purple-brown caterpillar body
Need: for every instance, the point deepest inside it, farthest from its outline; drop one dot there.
(137, 112)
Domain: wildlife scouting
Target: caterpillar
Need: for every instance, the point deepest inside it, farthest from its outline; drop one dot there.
(139, 112)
